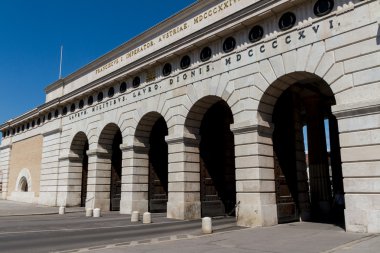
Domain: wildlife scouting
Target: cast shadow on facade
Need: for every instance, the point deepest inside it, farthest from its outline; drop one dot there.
(308, 187)
(208, 122)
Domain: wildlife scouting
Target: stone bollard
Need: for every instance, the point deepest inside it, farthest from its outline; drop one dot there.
(61, 210)
(207, 225)
(88, 212)
(96, 212)
(135, 216)
(147, 218)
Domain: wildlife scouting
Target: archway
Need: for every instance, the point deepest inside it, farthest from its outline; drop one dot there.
(209, 120)
(84, 175)
(23, 185)
(307, 165)
(79, 163)
(151, 133)
(24, 181)
(110, 141)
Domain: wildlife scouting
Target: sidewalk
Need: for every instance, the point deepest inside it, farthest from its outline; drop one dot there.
(11, 208)
(294, 238)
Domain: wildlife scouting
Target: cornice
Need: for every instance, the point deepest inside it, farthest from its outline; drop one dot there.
(232, 21)
(8, 146)
(357, 109)
(135, 41)
(52, 131)
(170, 49)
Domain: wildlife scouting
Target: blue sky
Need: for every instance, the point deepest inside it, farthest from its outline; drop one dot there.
(32, 31)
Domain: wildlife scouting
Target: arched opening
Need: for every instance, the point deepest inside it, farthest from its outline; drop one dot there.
(307, 163)
(110, 141)
(153, 166)
(24, 181)
(24, 185)
(209, 120)
(79, 164)
(158, 167)
(116, 166)
(84, 175)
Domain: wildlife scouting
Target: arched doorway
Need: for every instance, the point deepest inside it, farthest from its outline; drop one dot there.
(78, 149)
(217, 156)
(24, 185)
(153, 155)
(158, 167)
(116, 166)
(84, 175)
(307, 165)
(110, 141)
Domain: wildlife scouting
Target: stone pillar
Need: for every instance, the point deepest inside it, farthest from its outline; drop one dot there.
(99, 179)
(335, 157)
(135, 178)
(50, 163)
(1, 180)
(303, 198)
(255, 184)
(5, 159)
(184, 178)
(320, 186)
(69, 180)
(359, 136)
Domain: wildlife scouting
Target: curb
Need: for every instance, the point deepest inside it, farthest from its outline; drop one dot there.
(39, 213)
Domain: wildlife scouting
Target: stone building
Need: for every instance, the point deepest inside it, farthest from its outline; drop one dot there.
(202, 115)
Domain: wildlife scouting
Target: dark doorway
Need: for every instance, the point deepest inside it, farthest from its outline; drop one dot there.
(116, 165)
(285, 167)
(158, 167)
(84, 176)
(217, 162)
(308, 179)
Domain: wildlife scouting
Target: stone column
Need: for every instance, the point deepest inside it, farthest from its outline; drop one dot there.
(99, 179)
(303, 199)
(184, 178)
(255, 184)
(336, 161)
(50, 164)
(359, 135)
(69, 180)
(5, 159)
(320, 186)
(135, 178)
(1, 180)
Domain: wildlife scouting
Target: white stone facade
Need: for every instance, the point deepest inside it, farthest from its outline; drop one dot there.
(340, 49)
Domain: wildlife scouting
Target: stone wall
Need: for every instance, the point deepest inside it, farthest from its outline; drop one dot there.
(26, 155)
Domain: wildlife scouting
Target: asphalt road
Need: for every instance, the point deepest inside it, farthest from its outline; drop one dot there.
(50, 233)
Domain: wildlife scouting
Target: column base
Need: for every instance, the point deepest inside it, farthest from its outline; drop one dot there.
(128, 206)
(103, 204)
(69, 199)
(48, 199)
(255, 215)
(184, 210)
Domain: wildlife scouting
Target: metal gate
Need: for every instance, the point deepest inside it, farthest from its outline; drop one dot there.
(84, 176)
(212, 205)
(158, 168)
(286, 205)
(285, 167)
(158, 196)
(84, 182)
(217, 162)
(116, 164)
